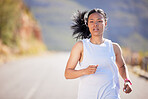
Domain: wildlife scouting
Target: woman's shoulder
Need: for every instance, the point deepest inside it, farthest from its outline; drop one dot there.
(78, 46)
(117, 48)
(81, 42)
(116, 45)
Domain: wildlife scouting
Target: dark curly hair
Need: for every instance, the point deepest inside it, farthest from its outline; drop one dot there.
(80, 19)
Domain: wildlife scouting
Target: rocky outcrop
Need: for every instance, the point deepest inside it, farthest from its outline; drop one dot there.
(29, 28)
(26, 36)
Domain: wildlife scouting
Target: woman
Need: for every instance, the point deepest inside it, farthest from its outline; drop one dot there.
(99, 59)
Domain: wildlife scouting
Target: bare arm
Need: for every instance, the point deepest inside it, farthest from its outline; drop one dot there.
(75, 56)
(122, 66)
(120, 61)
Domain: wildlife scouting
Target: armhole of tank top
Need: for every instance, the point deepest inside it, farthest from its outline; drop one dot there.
(83, 43)
(112, 50)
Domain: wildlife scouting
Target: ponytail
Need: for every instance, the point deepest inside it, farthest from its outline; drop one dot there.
(79, 27)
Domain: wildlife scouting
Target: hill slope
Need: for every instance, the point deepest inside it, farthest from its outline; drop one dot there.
(126, 19)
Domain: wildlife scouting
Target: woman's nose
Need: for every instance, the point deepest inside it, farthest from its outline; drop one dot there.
(96, 23)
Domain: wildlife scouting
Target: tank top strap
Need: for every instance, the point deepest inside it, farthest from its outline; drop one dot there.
(85, 41)
(111, 49)
(85, 47)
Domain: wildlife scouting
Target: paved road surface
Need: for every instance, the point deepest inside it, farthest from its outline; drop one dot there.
(42, 77)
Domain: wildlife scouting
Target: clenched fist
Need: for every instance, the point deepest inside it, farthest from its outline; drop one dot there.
(127, 87)
(91, 69)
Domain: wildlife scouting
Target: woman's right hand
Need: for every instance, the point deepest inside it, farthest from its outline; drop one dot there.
(91, 69)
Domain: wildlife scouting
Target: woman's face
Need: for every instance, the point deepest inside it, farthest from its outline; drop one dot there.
(96, 24)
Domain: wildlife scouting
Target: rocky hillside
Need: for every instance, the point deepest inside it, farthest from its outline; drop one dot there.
(19, 31)
(127, 24)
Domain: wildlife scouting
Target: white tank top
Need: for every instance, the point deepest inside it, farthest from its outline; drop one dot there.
(104, 56)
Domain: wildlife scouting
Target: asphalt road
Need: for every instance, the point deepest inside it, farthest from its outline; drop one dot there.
(42, 77)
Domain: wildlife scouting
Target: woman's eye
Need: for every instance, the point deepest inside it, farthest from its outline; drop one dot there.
(96, 21)
(91, 21)
(100, 21)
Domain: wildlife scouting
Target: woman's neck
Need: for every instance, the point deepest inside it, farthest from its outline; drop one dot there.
(97, 40)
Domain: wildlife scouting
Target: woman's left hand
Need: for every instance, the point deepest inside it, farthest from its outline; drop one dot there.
(127, 87)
